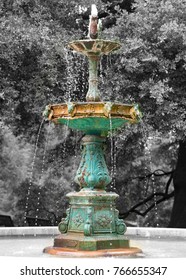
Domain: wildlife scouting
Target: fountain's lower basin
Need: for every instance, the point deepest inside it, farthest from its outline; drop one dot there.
(154, 242)
(92, 117)
(93, 125)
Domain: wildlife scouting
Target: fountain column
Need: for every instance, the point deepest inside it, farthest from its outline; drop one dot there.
(93, 93)
(93, 173)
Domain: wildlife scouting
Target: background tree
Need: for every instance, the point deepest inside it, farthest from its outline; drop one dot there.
(152, 67)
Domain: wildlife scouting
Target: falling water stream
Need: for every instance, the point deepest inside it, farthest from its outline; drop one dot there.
(42, 171)
(76, 149)
(101, 75)
(115, 163)
(69, 67)
(112, 158)
(111, 151)
(66, 128)
(148, 158)
(32, 171)
(40, 183)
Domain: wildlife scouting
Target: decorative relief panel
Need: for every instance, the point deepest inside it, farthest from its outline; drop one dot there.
(104, 221)
(77, 219)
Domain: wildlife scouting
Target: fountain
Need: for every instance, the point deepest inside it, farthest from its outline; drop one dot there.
(92, 226)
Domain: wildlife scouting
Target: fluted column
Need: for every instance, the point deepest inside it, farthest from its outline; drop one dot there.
(93, 93)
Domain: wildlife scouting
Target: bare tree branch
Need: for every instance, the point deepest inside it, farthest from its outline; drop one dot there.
(164, 196)
(157, 172)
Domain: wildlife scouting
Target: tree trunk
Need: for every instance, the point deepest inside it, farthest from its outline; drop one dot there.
(178, 216)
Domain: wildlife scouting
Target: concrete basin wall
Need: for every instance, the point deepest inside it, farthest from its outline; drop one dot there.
(146, 232)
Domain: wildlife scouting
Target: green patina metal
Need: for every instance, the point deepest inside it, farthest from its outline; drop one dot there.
(93, 125)
(92, 222)
(92, 214)
(93, 172)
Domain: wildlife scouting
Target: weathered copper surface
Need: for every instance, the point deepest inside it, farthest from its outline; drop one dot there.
(94, 47)
(92, 243)
(93, 173)
(98, 117)
(92, 213)
(92, 227)
(94, 109)
(65, 252)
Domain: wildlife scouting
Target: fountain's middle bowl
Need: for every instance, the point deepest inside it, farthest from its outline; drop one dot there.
(97, 47)
(93, 117)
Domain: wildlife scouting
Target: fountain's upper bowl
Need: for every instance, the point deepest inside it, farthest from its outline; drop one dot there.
(94, 47)
(93, 117)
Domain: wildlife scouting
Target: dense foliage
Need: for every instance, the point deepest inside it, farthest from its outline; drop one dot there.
(38, 69)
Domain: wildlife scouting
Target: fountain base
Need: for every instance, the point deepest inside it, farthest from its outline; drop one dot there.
(92, 228)
(74, 245)
(71, 253)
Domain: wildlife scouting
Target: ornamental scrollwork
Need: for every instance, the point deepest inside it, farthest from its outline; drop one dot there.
(120, 225)
(88, 225)
(63, 225)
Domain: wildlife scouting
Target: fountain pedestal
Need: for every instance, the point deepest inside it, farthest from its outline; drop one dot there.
(92, 227)
(92, 223)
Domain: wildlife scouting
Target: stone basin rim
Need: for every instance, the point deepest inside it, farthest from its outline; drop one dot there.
(150, 232)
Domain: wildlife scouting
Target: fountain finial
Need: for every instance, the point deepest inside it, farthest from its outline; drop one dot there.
(93, 23)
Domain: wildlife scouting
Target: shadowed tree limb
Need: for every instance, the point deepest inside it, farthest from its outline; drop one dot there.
(158, 173)
(164, 196)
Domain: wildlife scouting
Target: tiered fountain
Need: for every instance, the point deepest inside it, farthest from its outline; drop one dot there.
(92, 226)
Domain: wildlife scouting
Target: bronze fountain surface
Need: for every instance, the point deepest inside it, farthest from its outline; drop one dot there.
(92, 227)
